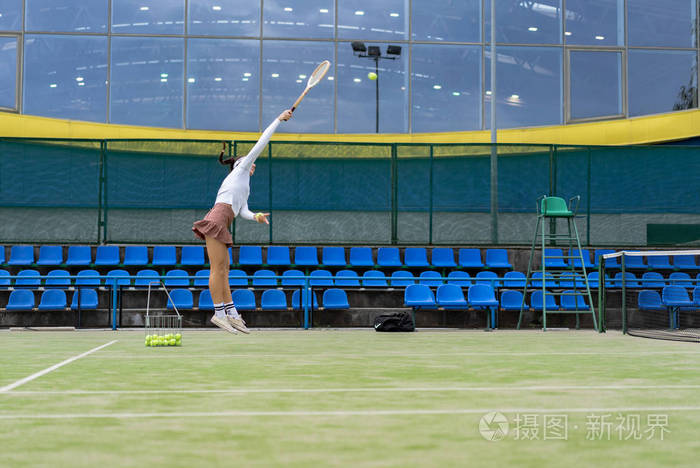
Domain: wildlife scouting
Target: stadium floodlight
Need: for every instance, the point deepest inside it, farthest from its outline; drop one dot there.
(393, 50)
(373, 51)
(358, 47)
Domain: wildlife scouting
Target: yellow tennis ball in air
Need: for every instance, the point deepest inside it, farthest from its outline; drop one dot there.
(372, 76)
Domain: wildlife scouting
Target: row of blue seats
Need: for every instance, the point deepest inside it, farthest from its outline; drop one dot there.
(481, 296)
(345, 278)
(166, 255)
(671, 296)
(555, 258)
(272, 299)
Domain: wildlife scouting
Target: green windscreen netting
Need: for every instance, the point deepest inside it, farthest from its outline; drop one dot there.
(150, 191)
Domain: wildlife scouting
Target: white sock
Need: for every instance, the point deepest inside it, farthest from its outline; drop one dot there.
(220, 310)
(231, 310)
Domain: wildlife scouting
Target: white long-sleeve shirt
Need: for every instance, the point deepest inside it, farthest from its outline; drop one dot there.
(235, 188)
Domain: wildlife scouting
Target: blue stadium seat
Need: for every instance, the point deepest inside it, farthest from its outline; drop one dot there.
(192, 255)
(243, 299)
(611, 263)
(273, 299)
(482, 296)
(489, 278)
(536, 301)
(536, 280)
(675, 296)
(634, 262)
(123, 277)
(205, 302)
(264, 278)
(652, 279)
(470, 258)
(164, 255)
(374, 278)
(28, 279)
(21, 255)
(577, 261)
(144, 277)
(181, 298)
(201, 278)
(696, 296)
(79, 255)
(347, 278)
(460, 278)
(5, 281)
(419, 296)
(88, 299)
(361, 257)
(685, 262)
(135, 255)
(297, 302)
(650, 300)
(233, 281)
(430, 278)
(321, 278)
(573, 301)
(593, 278)
(333, 256)
(306, 256)
(53, 299)
(2, 254)
(50, 255)
(659, 262)
(514, 279)
(402, 278)
(278, 255)
(512, 299)
(21, 299)
(415, 257)
(175, 278)
(250, 255)
(290, 278)
(443, 257)
(389, 257)
(497, 258)
(550, 262)
(567, 280)
(88, 278)
(450, 296)
(335, 299)
(107, 255)
(630, 280)
(681, 279)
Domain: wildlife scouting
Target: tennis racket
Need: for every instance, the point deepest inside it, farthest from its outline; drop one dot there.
(314, 79)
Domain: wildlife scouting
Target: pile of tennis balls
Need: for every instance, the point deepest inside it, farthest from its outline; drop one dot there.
(164, 340)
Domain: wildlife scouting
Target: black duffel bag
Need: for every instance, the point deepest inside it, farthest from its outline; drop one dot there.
(397, 322)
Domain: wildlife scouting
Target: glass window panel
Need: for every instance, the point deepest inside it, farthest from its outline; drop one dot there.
(8, 72)
(662, 81)
(596, 80)
(357, 102)
(595, 22)
(66, 15)
(146, 83)
(446, 20)
(223, 84)
(224, 17)
(10, 15)
(65, 76)
(525, 22)
(529, 86)
(446, 87)
(286, 67)
(148, 17)
(385, 20)
(670, 23)
(311, 18)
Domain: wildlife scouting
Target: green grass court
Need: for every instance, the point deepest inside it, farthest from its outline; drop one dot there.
(347, 398)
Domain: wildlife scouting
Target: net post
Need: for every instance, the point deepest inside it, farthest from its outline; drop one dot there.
(624, 294)
(601, 295)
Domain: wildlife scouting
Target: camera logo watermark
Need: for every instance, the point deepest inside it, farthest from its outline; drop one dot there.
(493, 426)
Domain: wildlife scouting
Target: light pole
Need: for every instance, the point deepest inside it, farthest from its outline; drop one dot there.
(374, 53)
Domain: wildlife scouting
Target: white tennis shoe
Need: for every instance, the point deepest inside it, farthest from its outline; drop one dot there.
(223, 324)
(238, 324)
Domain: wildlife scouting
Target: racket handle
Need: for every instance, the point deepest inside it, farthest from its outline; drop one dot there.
(296, 103)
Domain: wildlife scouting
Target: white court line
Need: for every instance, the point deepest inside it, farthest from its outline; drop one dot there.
(399, 412)
(359, 390)
(23, 381)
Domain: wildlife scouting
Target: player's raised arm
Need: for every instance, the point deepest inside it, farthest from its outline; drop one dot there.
(250, 158)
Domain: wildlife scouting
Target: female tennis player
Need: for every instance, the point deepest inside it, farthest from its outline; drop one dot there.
(231, 201)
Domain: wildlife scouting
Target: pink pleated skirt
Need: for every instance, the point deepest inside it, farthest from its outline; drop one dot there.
(216, 224)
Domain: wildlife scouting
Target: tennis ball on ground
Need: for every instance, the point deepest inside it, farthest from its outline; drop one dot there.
(178, 336)
(172, 342)
(372, 76)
